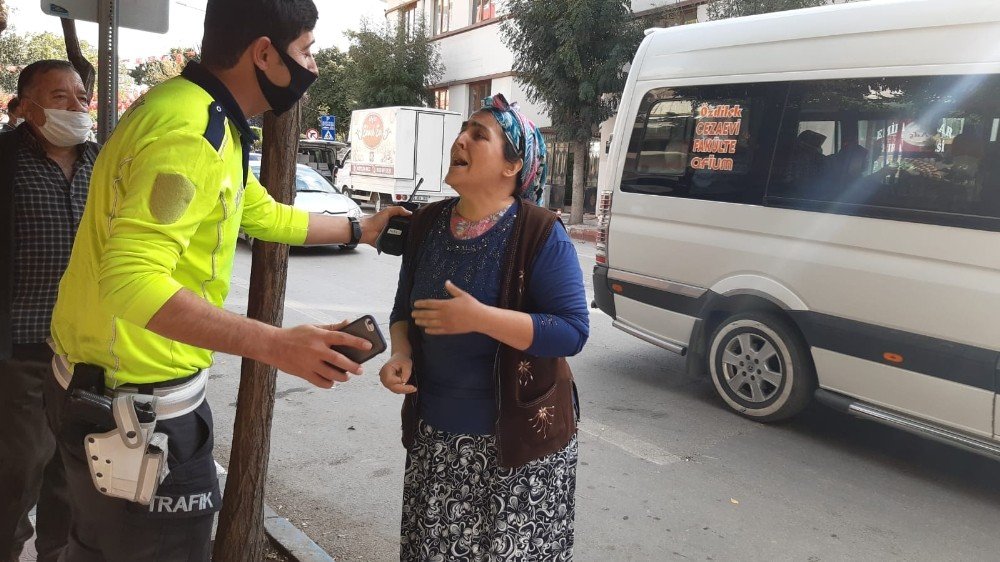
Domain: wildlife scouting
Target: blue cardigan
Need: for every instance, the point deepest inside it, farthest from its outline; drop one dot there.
(457, 387)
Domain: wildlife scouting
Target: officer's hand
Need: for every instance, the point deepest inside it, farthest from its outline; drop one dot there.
(304, 351)
(396, 374)
(371, 227)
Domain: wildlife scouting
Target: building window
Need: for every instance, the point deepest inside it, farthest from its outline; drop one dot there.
(704, 142)
(483, 10)
(441, 98)
(408, 17)
(442, 16)
(919, 148)
(478, 91)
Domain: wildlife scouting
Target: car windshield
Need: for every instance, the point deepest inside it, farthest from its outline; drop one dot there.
(306, 180)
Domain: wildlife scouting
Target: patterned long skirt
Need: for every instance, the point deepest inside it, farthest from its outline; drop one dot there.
(459, 504)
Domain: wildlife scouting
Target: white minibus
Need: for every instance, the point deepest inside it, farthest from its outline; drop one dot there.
(807, 204)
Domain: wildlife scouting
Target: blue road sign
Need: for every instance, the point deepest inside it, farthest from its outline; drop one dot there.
(328, 125)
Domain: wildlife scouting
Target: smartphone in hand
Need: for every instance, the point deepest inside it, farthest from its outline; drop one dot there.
(365, 328)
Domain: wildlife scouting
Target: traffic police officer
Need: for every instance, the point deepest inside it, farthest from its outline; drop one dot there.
(140, 303)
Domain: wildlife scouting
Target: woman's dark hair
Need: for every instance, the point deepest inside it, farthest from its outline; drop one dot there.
(232, 25)
(509, 152)
(12, 104)
(27, 77)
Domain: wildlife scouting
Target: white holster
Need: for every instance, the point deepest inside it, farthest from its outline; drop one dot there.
(130, 461)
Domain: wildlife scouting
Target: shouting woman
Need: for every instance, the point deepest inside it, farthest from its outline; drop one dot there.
(489, 305)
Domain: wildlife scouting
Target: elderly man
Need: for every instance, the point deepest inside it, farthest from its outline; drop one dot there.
(45, 168)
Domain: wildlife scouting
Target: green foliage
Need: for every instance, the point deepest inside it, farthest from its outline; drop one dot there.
(156, 70)
(19, 50)
(259, 131)
(722, 9)
(572, 55)
(331, 94)
(389, 66)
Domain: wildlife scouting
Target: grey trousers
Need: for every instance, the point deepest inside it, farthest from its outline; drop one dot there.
(30, 470)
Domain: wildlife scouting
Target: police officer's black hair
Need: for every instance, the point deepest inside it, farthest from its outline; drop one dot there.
(232, 25)
(36, 69)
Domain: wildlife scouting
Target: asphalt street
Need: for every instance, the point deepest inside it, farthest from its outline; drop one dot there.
(666, 472)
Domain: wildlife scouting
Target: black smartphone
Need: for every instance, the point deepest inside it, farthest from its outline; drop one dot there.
(365, 328)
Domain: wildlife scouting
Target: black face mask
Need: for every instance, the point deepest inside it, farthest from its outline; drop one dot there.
(283, 98)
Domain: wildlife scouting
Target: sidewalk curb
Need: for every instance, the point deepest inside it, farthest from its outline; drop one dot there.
(286, 537)
(583, 234)
(291, 540)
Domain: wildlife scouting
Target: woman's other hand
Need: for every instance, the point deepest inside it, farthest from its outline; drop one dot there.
(461, 314)
(396, 372)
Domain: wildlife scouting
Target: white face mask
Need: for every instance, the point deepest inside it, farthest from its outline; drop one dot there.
(65, 128)
(17, 122)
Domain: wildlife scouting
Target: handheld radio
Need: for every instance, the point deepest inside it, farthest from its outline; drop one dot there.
(392, 240)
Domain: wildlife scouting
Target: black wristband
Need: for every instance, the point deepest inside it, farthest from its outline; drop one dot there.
(355, 231)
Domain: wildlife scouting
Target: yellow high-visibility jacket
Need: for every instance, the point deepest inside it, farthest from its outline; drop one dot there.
(167, 200)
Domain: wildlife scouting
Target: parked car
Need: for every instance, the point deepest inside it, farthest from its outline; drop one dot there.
(804, 208)
(313, 193)
(342, 177)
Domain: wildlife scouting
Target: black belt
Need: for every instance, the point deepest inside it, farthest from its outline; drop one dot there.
(40, 352)
(150, 387)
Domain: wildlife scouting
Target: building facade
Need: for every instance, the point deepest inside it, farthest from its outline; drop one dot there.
(477, 64)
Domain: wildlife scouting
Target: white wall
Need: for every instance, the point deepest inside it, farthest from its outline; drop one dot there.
(473, 54)
(534, 112)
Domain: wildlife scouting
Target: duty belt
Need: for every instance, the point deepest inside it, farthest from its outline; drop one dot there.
(172, 401)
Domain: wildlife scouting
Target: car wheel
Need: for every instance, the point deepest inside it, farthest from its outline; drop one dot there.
(347, 191)
(761, 366)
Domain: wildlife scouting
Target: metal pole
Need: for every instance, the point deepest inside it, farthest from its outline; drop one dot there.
(107, 74)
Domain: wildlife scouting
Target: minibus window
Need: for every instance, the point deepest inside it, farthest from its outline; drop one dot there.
(913, 148)
(702, 142)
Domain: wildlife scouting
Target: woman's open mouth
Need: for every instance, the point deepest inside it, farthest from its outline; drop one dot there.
(457, 162)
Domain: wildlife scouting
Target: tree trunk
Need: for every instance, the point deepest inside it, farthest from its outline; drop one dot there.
(240, 535)
(75, 56)
(580, 154)
(3, 16)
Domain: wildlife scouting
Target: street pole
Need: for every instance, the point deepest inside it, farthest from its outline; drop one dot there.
(107, 62)
(240, 534)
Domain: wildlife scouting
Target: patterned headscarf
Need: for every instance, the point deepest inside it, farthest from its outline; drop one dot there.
(527, 140)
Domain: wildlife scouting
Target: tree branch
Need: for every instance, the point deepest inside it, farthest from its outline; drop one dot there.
(75, 55)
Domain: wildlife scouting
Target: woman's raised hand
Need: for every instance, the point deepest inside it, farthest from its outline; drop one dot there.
(461, 314)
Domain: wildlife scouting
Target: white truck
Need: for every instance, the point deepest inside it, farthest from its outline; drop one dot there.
(393, 148)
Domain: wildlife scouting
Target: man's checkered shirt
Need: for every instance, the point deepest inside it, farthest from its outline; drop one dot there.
(47, 211)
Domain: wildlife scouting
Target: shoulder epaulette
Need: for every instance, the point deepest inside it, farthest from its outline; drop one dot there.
(215, 133)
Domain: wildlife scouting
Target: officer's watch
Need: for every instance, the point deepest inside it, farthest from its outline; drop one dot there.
(355, 231)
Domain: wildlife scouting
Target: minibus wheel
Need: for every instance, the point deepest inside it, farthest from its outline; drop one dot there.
(761, 366)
